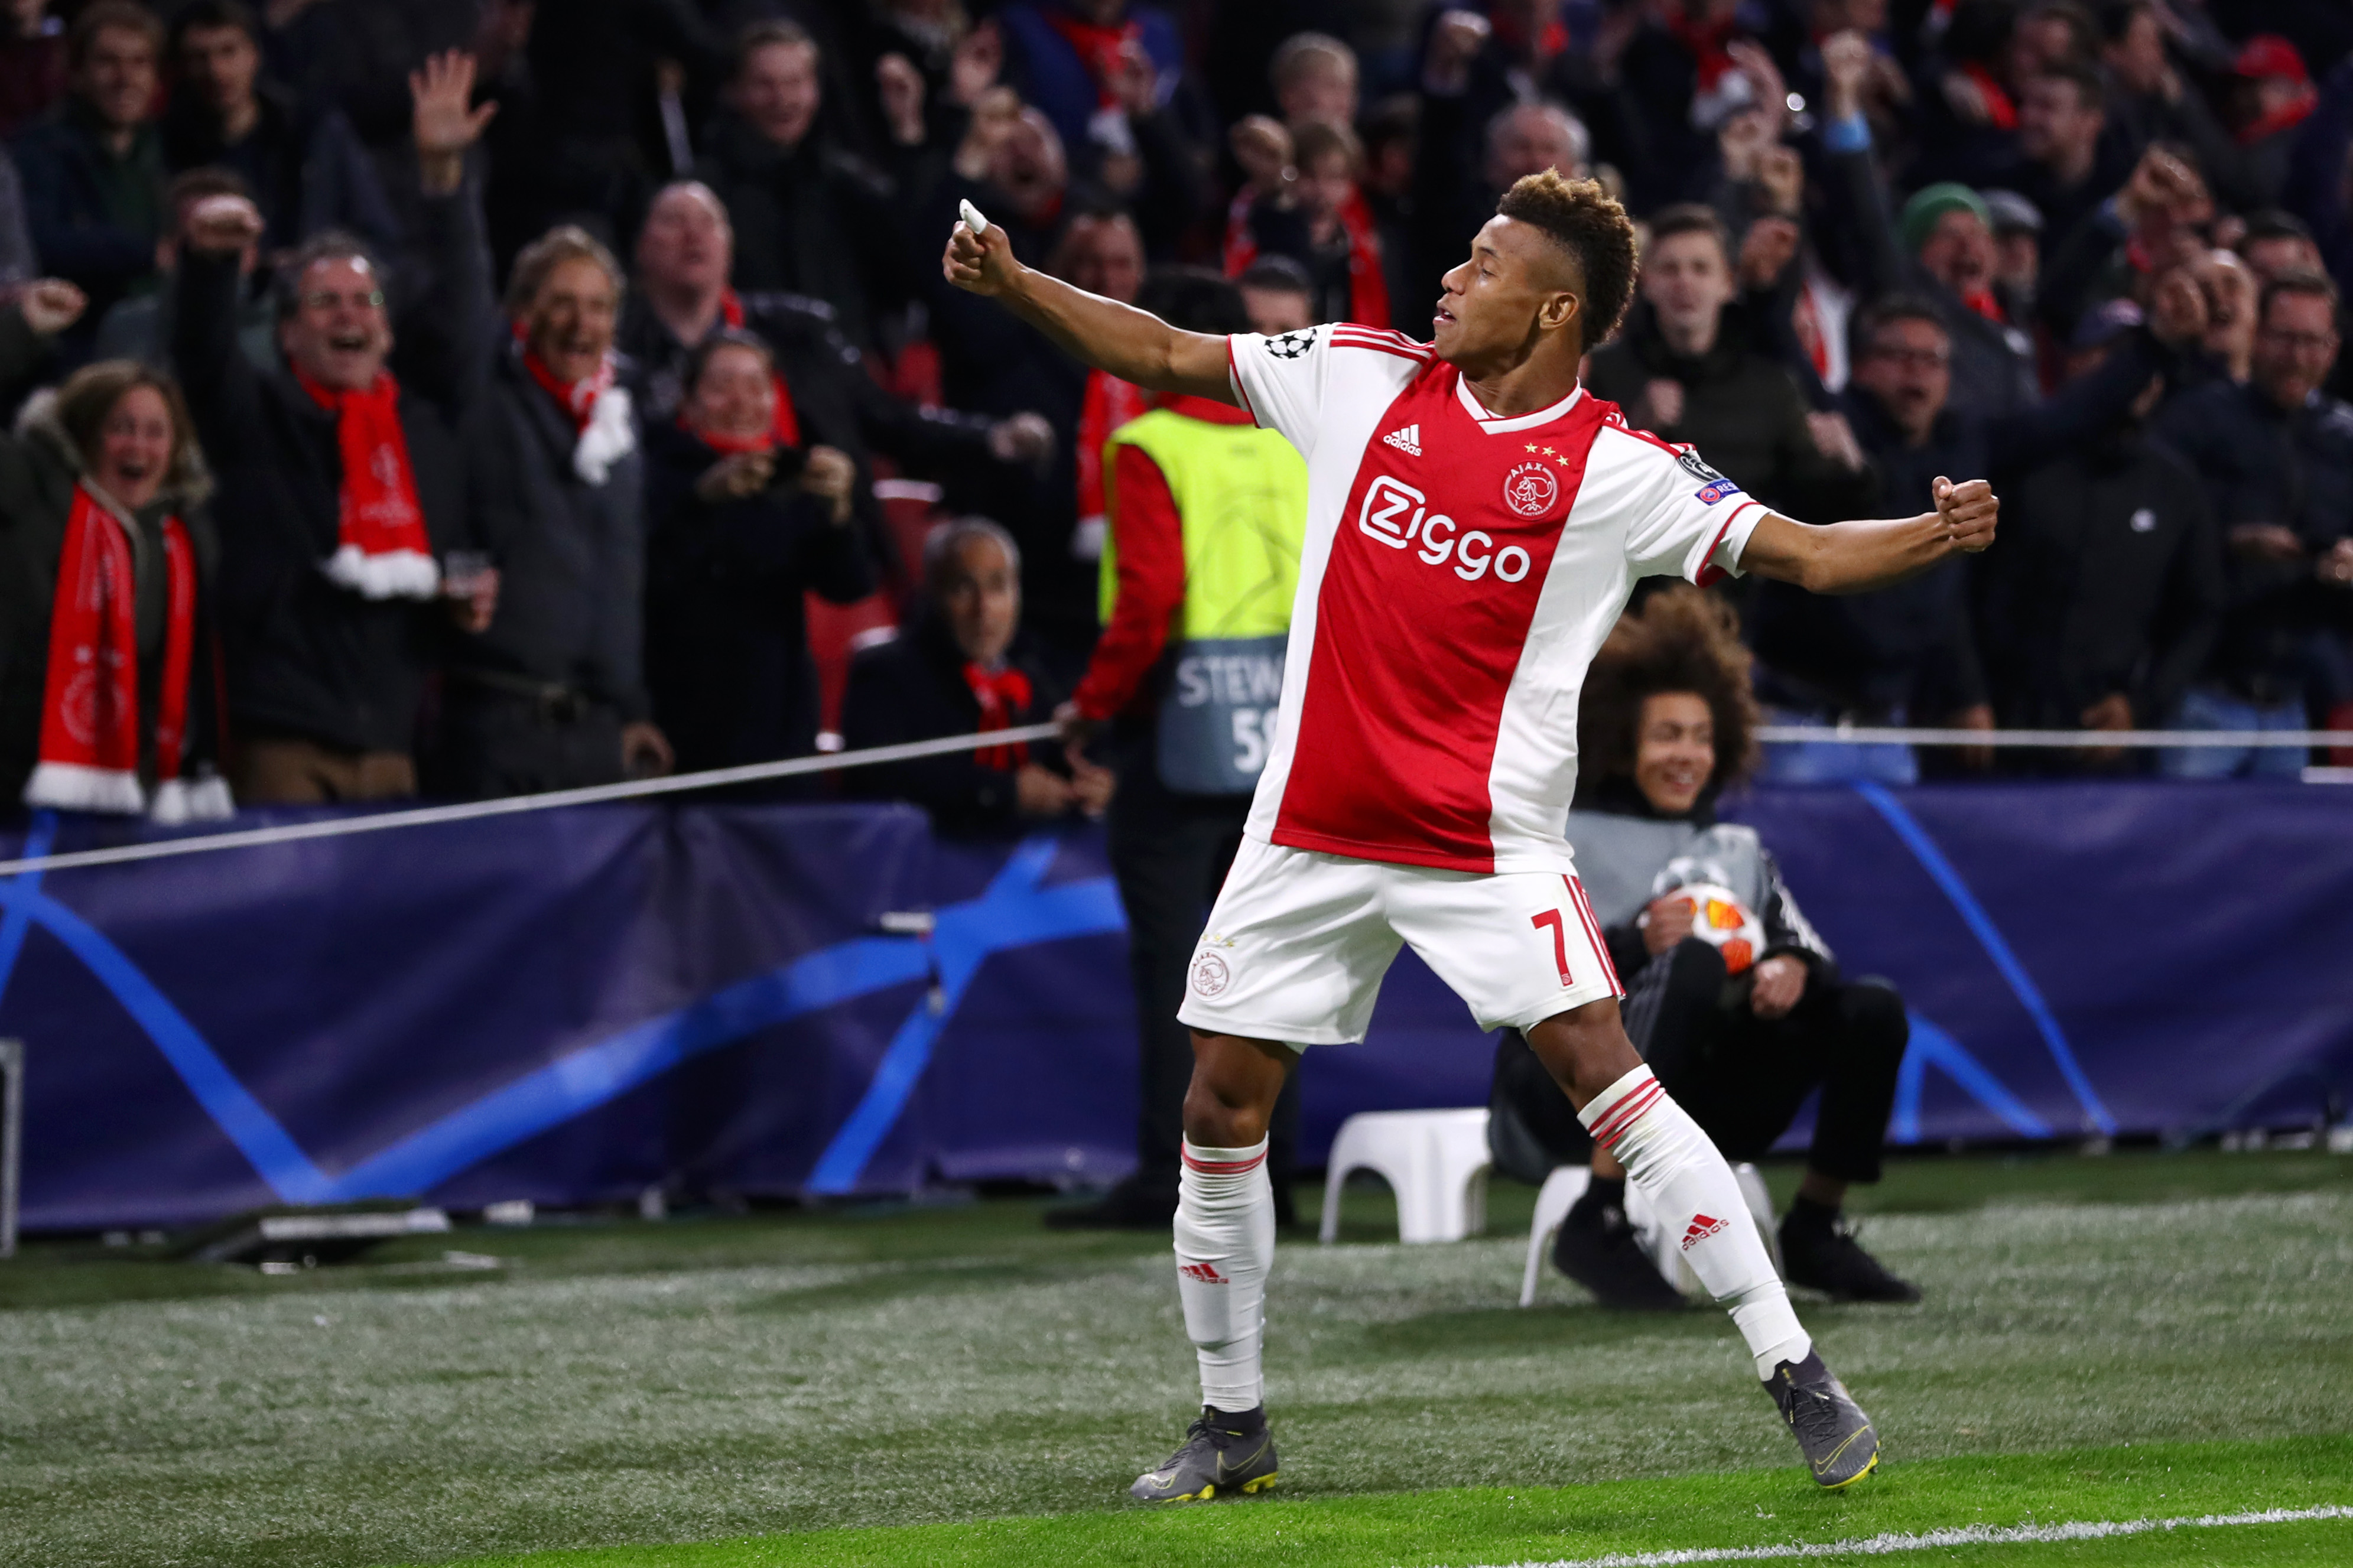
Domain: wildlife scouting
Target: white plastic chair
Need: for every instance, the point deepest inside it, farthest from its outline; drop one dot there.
(1568, 1184)
(1434, 1161)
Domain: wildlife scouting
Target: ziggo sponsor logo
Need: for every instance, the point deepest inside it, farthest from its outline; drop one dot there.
(1382, 516)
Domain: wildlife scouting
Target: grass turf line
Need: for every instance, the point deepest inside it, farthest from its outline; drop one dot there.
(1580, 1523)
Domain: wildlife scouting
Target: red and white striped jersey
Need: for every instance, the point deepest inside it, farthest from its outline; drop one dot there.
(1459, 574)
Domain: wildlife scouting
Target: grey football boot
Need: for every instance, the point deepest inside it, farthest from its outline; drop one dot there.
(1222, 1453)
(1840, 1446)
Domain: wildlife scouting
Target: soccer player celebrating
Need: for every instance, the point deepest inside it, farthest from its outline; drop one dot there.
(1475, 522)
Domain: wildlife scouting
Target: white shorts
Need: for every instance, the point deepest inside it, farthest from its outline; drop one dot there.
(1299, 940)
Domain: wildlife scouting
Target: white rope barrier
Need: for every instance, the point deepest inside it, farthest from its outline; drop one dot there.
(1860, 735)
(469, 811)
(797, 767)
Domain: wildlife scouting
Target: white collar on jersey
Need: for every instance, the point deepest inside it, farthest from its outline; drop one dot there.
(1494, 425)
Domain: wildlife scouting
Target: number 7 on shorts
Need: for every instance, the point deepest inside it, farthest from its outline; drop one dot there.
(1560, 942)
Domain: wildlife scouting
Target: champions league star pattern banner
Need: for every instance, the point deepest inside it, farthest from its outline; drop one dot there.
(574, 1005)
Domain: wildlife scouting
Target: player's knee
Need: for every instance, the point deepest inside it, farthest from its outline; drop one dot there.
(1219, 1119)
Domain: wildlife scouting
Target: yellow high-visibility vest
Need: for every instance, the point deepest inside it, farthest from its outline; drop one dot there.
(1242, 496)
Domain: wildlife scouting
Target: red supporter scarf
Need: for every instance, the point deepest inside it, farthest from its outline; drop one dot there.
(1100, 49)
(728, 446)
(90, 702)
(1985, 304)
(577, 398)
(381, 547)
(788, 423)
(1000, 696)
(1109, 403)
(1999, 109)
(1510, 32)
(2286, 117)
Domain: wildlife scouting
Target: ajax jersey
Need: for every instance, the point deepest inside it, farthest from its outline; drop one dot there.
(1459, 574)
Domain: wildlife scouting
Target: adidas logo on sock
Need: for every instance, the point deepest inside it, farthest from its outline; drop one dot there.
(1203, 1273)
(1702, 1227)
(1407, 439)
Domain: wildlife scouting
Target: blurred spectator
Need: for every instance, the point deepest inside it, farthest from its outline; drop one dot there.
(919, 66)
(1391, 132)
(306, 170)
(1315, 214)
(1278, 296)
(109, 565)
(2232, 290)
(2277, 244)
(1209, 518)
(32, 64)
(2276, 456)
(141, 328)
(550, 694)
(964, 668)
(809, 217)
(2064, 167)
(1449, 205)
(17, 260)
(743, 522)
(2102, 603)
(341, 471)
(93, 171)
(2273, 95)
(1103, 255)
(1314, 77)
(1094, 68)
(824, 392)
(2018, 230)
(1908, 654)
(1683, 366)
(2149, 102)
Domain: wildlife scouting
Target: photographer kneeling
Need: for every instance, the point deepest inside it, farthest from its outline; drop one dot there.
(1732, 998)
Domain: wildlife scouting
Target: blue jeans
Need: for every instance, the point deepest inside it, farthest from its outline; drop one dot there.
(1833, 762)
(2210, 708)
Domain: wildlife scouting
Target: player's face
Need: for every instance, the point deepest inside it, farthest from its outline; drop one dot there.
(1675, 751)
(1490, 312)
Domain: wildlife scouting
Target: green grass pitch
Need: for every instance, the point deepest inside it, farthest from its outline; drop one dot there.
(2138, 1337)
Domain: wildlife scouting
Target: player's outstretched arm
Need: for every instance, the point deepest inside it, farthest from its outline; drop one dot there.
(1132, 344)
(1856, 557)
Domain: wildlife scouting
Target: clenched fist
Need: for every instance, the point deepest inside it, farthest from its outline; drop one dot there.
(980, 263)
(1969, 510)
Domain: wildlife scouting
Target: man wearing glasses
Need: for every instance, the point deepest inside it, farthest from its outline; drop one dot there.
(338, 469)
(2275, 454)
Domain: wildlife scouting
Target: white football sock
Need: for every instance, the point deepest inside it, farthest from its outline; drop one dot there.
(1225, 1240)
(1689, 1186)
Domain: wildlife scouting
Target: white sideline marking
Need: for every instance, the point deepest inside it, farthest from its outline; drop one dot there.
(1959, 1535)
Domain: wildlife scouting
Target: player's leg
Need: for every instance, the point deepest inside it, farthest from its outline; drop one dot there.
(1294, 953)
(1687, 1181)
(1524, 950)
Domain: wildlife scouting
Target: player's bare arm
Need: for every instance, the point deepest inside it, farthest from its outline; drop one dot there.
(1856, 557)
(1120, 340)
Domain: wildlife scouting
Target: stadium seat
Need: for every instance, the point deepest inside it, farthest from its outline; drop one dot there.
(1434, 1161)
(1567, 1185)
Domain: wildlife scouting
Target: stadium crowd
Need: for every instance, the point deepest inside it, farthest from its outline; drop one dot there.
(350, 459)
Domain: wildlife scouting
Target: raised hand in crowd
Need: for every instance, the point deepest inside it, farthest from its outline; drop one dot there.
(1027, 438)
(1768, 92)
(1454, 42)
(446, 123)
(831, 478)
(1781, 180)
(1834, 438)
(978, 61)
(1846, 68)
(222, 226)
(1262, 147)
(1767, 250)
(50, 305)
(2177, 308)
(900, 87)
(996, 116)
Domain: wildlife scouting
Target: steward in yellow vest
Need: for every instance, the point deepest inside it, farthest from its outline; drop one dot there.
(1207, 515)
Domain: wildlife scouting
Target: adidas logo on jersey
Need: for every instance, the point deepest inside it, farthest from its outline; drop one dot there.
(1206, 1273)
(1407, 439)
(1702, 1227)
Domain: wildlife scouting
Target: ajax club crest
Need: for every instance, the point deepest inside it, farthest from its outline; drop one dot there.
(1530, 490)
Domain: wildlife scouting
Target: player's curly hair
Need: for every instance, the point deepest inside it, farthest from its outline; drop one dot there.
(1588, 221)
(1680, 640)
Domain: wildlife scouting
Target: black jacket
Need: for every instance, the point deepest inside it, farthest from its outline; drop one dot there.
(307, 657)
(2107, 579)
(570, 554)
(308, 170)
(1912, 646)
(727, 654)
(2261, 463)
(912, 688)
(1742, 412)
(814, 220)
(94, 218)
